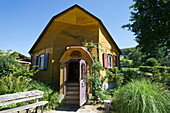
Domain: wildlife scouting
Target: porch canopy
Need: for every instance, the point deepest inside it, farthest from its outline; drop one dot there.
(74, 53)
(84, 54)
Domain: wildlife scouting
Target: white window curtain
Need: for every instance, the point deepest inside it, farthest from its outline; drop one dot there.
(110, 61)
(41, 62)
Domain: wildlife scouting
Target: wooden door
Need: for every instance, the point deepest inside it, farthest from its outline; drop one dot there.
(82, 83)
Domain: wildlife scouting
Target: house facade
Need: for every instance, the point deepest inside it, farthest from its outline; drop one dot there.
(61, 58)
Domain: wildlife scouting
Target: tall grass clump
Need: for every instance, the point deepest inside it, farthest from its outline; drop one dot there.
(142, 96)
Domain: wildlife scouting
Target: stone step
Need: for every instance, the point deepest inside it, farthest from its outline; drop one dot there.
(72, 97)
(72, 88)
(69, 108)
(72, 84)
(72, 92)
(71, 102)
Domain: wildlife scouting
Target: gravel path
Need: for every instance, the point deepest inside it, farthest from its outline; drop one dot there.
(83, 109)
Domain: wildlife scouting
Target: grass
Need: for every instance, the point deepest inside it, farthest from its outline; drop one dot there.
(142, 96)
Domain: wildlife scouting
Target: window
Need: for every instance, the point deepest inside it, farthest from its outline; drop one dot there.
(41, 62)
(82, 71)
(109, 61)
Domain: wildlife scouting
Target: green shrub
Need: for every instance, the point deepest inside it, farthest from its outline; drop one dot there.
(11, 84)
(6, 61)
(14, 78)
(141, 96)
(159, 74)
(130, 75)
(154, 68)
(125, 62)
(145, 68)
(151, 62)
(118, 76)
(9, 66)
(50, 93)
(167, 68)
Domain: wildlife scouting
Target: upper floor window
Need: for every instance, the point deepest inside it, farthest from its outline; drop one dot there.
(109, 61)
(41, 62)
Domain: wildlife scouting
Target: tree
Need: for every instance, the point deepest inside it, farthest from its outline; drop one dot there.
(151, 62)
(126, 51)
(7, 62)
(9, 66)
(150, 23)
(137, 57)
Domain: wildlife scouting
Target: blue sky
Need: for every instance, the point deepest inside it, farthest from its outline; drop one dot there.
(22, 21)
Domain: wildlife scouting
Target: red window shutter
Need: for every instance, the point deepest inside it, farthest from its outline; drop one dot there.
(35, 62)
(46, 61)
(105, 60)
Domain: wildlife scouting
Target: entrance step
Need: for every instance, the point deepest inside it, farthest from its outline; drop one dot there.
(72, 88)
(69, 108)
(70, 97)
(72, 92)
(72, 84)
(71, 102)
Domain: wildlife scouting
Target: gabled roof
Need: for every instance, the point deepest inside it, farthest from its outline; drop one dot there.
(65, 12)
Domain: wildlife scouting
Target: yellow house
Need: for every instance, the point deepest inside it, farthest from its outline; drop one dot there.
(63, 60)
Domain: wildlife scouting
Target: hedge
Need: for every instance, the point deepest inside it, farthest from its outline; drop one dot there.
(154, 68)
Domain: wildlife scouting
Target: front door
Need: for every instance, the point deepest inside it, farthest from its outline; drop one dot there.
(82, 83)
(73, 72)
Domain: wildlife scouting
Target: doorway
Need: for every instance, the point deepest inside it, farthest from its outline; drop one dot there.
(73, 72)
(76, 81)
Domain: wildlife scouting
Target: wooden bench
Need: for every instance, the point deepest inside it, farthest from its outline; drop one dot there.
(22, 97)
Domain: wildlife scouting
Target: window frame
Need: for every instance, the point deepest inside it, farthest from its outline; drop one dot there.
(115, 61)
(83, 71)
(40, 63)
(109, 61)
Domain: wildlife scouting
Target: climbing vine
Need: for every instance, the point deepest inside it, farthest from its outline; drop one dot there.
(97, 79)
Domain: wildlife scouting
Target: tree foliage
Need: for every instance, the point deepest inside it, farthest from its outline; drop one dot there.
(137, 57)
(150, 23)
(151, 62)
(126, 51)
(10, 66)
(162, 55)
(15, 78)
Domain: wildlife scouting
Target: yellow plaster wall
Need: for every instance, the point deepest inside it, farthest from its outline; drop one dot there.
(76, 16)
(43, 75)
(56, 38)
(106, 46)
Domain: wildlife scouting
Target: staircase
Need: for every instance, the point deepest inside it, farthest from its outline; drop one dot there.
(72, 94)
